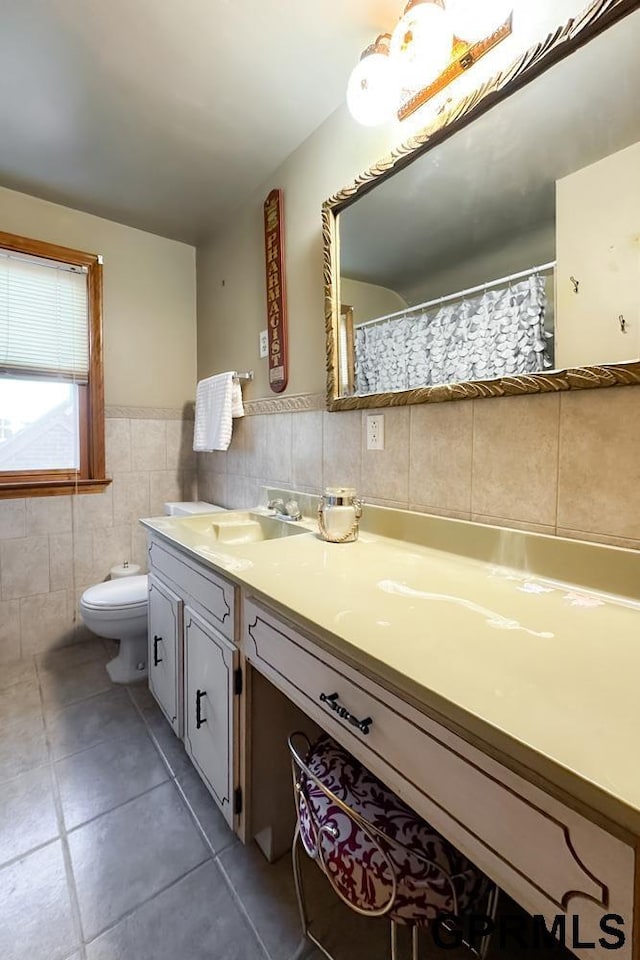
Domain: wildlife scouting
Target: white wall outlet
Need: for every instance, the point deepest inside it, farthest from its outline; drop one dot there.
(264, 345)
(375, 432)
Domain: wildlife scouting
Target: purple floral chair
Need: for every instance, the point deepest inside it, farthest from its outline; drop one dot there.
(379, 856)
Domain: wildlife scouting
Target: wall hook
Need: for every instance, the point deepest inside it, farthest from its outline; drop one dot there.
(576, 284)
(623, 323)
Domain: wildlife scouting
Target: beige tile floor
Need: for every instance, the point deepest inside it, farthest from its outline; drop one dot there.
(112, 849)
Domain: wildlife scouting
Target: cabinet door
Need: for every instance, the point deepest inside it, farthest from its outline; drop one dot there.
(165, 639)
(210, 661)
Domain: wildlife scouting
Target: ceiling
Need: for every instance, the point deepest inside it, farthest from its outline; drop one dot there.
(162, 114)
(494, 180)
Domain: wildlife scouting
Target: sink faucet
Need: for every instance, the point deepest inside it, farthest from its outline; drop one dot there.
(285, 511)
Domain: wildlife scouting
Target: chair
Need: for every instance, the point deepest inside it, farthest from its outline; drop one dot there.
(379, 856)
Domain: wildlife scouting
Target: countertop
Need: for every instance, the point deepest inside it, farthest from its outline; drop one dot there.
(544, 672)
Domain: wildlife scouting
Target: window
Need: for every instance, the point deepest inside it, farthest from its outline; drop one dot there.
(51, 384)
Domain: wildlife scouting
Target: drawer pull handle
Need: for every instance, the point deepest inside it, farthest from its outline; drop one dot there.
(199, 718)
(331, 699)
(156, 658)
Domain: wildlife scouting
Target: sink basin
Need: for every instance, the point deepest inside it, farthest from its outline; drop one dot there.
(240, 526)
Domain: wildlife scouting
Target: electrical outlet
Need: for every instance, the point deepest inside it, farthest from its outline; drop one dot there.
(264, 345)
(375, 432)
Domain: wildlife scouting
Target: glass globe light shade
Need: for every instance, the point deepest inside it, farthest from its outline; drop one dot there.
(476, 19)
(421, 44)
(373, 90)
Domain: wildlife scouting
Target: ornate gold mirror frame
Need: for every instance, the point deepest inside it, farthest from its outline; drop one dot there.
(558, 45)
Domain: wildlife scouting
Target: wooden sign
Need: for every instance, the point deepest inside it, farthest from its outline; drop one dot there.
(276, 293)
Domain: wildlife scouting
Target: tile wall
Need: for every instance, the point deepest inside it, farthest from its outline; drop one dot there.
(52, 548)
(566, 464)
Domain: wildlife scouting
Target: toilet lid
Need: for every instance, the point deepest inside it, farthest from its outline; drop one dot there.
(124, 592)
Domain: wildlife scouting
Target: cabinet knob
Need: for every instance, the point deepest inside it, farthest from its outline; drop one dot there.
(199, 718)
(331, 700)
(156, 658)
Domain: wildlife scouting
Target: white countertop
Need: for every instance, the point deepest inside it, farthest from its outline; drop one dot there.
(545, 672)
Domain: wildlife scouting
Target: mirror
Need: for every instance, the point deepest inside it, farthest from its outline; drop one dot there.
(503, 255)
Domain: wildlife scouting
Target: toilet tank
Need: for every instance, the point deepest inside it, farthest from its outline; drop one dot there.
(186, 507)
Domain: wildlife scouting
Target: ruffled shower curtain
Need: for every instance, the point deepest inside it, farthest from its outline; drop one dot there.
(499, 333)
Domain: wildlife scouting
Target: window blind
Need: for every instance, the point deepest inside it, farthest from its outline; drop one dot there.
(44, 311)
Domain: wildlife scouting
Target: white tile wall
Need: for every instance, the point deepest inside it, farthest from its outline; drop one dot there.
(53, 548)
(566, 464)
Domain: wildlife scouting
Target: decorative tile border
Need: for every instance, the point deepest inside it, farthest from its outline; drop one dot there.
(150, 413)
(295, 403)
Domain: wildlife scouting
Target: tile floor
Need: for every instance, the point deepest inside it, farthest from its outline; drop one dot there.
(111, 847)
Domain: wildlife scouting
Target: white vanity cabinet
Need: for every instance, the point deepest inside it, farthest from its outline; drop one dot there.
(550, 858)
(193, 665)
(165, 651)
(210, 663)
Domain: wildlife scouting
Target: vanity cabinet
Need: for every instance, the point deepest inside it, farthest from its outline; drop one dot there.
(551, 859)
(193, 665)
(165, 651)
(210, 662)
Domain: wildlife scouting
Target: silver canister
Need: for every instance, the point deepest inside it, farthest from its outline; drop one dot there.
(339, 513)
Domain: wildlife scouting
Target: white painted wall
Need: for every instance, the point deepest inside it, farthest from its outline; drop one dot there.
(369, 300)
(231, 287)
(149, 298)
(598, 242)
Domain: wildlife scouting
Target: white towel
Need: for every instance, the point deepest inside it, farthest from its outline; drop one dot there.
(217, 402)
(237, 410)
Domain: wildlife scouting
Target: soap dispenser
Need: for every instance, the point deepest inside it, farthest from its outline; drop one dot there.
(339, 513)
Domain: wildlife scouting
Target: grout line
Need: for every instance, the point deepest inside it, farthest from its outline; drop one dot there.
(473, 457)
(556, 524)
(66, 853)
(55, 710)
(152, 735)
(194, 817)
(98, 743)
(27, 853)
(176, 782)
(23, 773)
(174, 777)
(240, 903)
(216, 854)
(143, 903)
(103, 813)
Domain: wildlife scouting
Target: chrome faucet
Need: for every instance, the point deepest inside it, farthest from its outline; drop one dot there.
(285, 511)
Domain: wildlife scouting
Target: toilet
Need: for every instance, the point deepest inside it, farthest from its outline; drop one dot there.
(117, 609)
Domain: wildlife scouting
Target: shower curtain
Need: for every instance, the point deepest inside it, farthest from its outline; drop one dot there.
(498, 333)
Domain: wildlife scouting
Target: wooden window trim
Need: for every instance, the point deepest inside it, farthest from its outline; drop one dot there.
(91, 476)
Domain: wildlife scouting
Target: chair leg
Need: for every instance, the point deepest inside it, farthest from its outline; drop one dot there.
(415, 942)
(394, 940)
(300, 897)
(492, 909)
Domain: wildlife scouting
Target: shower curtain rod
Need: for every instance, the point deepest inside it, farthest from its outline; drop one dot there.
(457, 296)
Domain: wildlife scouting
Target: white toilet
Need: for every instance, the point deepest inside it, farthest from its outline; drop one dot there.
(117, 609)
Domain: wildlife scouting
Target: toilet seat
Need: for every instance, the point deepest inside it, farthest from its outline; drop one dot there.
(128, 595)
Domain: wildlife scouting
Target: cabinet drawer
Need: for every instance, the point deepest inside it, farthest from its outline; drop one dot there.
(201, 587)
(547, 856)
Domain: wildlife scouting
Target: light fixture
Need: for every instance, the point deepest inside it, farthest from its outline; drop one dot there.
(434, 42)
(421, 43)
(474, 20)
(373, 88)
